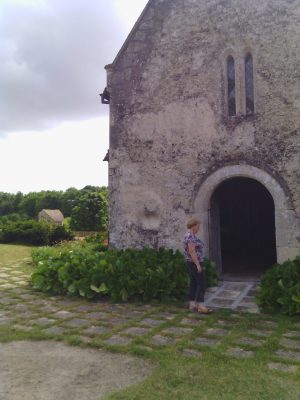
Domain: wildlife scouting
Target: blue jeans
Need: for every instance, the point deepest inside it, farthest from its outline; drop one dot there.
(197, 283)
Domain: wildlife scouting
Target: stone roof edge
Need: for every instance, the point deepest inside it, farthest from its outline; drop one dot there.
(131, 33)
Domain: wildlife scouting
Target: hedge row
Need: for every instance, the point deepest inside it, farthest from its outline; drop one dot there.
(279, 290)
(33, 232)
(90, 270)
(138, 275)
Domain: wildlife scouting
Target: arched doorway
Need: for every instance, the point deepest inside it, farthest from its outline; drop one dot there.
(286, 225)
(242, 227)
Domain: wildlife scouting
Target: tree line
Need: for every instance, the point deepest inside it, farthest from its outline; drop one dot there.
(87, 207)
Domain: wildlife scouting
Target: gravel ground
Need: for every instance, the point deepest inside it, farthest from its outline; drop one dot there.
(54, 371)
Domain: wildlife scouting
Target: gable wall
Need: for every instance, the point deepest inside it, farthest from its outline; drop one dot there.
(169, 129)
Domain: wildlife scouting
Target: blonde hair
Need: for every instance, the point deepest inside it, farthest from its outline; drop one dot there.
(192, 222)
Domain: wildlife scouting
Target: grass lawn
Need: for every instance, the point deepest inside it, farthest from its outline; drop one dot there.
(216, 375)
(13, 253)
(212, 378)
(212, 375)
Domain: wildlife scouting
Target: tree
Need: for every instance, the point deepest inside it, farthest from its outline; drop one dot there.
(17, 200)
(28, 204)
(90, 213)
(50, 199)
(69, 200)
(7, 205)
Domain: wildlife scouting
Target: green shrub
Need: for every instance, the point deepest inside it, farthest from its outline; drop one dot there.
(90, 212)
(29, 232)
(66, 223)
(121, 274)
(14, 217)
(83, 269)
(279, 290)
(33, 232)
(100, 239)
(210, 272)
(59, 233)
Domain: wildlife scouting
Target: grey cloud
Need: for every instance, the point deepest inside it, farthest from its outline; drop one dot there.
(52, 58)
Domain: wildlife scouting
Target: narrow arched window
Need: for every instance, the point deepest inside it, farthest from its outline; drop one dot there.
(231, 87)
(249, 87)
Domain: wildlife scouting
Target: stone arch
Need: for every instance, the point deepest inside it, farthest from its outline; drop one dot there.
(285, 218)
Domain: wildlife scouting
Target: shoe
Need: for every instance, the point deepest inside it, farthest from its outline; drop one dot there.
(193, 306)
(204, 310)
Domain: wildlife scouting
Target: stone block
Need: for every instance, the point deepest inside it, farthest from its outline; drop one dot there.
(96, 315)
(118, 341)
(42, 321)
(294, 334)
(159, 340)
(283, 367)
(55, 330)
(76, 323)
(178, 331)
(239, 353)
(289, 355)
(136, 331)
(217, 332)
(191, 321)
(115, 321)
(258, 332)
(221, 303)
(293, 344)
(152, 322)
(165, 315)
(96, 330)
(251, 341)
(62, 314)
(203, 341)
(191, 353)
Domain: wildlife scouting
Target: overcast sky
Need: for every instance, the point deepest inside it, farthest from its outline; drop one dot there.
(53, 127)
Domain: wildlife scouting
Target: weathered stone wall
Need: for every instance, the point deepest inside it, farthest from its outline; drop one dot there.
(169, 127)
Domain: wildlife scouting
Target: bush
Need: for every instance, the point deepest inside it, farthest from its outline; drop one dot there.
(122, 274)
(100, 239)
(67, 222)
(29, 232)
(139, 275)
(12, 218)
(33, 232)
(210, 273)
(59, 233)
(279, 290)
(90, 212)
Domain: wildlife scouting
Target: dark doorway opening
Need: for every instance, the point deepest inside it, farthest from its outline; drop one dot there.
(243, 218)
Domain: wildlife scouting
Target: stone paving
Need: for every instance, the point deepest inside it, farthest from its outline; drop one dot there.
(234, 295)
(149, 327)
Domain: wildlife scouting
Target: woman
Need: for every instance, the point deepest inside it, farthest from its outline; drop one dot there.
(193, 253)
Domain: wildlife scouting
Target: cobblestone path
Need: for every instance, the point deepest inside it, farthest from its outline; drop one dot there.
(146, 328)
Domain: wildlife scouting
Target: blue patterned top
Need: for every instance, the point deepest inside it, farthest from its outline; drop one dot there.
(199, 245)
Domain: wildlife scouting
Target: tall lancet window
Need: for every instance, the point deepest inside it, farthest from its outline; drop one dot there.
(249, 84)
(231, 86)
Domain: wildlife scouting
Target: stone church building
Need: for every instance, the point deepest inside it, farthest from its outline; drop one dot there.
(205, 121)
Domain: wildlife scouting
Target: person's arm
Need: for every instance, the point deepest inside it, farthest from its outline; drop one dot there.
(192, 251)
